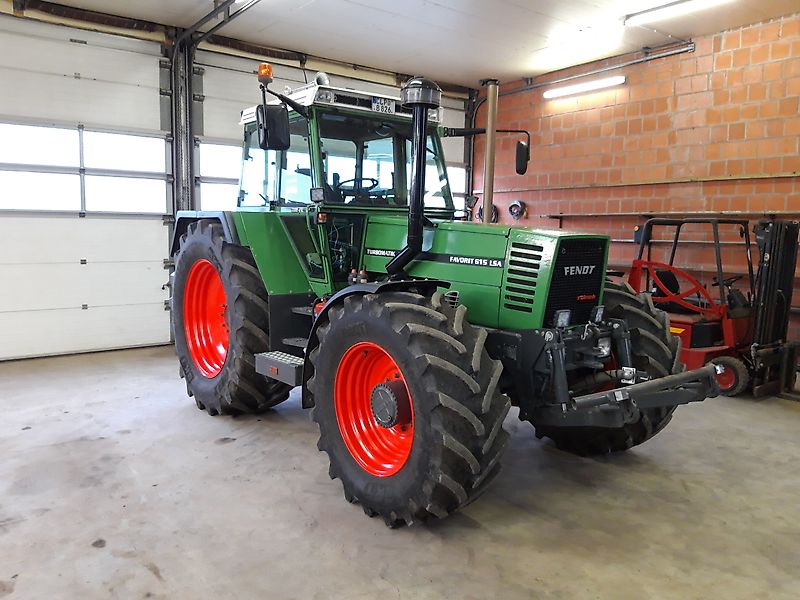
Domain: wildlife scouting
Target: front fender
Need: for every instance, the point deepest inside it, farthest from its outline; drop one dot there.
(423, 286)
(184, 218)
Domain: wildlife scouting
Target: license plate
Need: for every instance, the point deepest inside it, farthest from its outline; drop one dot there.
(383, 105)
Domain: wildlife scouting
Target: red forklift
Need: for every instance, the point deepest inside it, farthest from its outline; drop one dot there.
(742, 328)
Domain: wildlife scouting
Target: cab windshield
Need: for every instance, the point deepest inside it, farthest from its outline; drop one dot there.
(366, 162)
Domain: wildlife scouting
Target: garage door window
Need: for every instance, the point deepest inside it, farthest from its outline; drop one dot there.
(23, 190)
(63, 169)
(29, 145)
(124, 152)
(125, 195)
(220, 166)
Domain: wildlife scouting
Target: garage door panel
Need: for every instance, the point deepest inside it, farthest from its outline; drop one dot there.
(116, 105)
(240, 87)
(68, 239)
(221, 118)
(75, 330)
(45, 286)
(79, 61)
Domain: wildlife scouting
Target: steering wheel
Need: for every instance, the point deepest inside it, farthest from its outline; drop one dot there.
(666, 295)
(728, 281)
(352, 188)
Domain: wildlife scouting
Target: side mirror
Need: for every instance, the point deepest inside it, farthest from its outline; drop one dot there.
(273, 127)
(522, 158)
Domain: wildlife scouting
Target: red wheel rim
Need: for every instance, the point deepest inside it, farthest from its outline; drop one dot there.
(726, 379)
(204, 318)
(380, 451)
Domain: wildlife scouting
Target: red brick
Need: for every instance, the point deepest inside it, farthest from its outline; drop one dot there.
(687, 67)
(772, 71)
(753, 74)
(788, 107)
(741, 58)
(756, 92)
(717, 169)
(749, 111)
(719, 133)
(738, 94)
(750, 36)
(735, 167)
(787, 145)
(723, 61)
(721, 97)
(683, 85)
(755, 130)
(731, 114)
(792, 126)
(791, 164)
(768, 109)
(772, 165)
(759, 54)
(791, 27)
(774, 127)
(705, 64)
(776, 90)
(731, 40)
(780, 50)
(736, 131)
(770, 32)
(699, 83)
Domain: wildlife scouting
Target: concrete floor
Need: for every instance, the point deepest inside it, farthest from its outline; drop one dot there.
(113, 485)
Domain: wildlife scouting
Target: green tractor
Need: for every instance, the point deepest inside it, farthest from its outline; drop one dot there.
(344, 271)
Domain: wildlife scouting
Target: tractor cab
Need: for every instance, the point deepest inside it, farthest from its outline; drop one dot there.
(340, 160)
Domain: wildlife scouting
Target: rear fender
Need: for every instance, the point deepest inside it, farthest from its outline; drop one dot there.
(423, 286)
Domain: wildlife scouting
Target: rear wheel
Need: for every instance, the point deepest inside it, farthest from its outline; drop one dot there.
(655, 351)
(219, 321)
(735, 377)
(407, 405)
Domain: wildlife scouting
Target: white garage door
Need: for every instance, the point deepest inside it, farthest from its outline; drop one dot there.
(230, 84)
(84, 168)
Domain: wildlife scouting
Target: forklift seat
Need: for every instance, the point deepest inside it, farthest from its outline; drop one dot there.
(670, 281)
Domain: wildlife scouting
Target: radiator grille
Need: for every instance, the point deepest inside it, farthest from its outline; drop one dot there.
(523, 269)
(573, 287)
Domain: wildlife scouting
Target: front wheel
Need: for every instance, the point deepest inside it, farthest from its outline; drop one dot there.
(407, 405)
(219, 322)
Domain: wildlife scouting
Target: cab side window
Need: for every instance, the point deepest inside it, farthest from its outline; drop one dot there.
(295, 172)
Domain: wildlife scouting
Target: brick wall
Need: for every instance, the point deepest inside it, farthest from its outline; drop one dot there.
(715, 130)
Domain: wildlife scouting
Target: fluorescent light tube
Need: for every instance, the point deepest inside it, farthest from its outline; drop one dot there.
(586, 86)
(671, 10)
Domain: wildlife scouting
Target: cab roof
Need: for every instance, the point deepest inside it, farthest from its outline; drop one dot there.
(314, 94)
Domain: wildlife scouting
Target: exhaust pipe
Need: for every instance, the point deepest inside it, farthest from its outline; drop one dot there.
(492, 86)
(421, 95)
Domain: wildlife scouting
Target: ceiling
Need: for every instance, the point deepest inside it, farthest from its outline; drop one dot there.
(452, 41)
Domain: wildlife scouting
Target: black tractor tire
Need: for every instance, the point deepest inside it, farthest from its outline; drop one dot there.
(458, 412)
(735, 379)
(233, 387)
(655, 350)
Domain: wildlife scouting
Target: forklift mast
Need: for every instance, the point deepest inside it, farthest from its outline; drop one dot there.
(777, 244)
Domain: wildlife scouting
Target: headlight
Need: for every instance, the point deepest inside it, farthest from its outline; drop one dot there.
(563, 318)
(604, 347)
